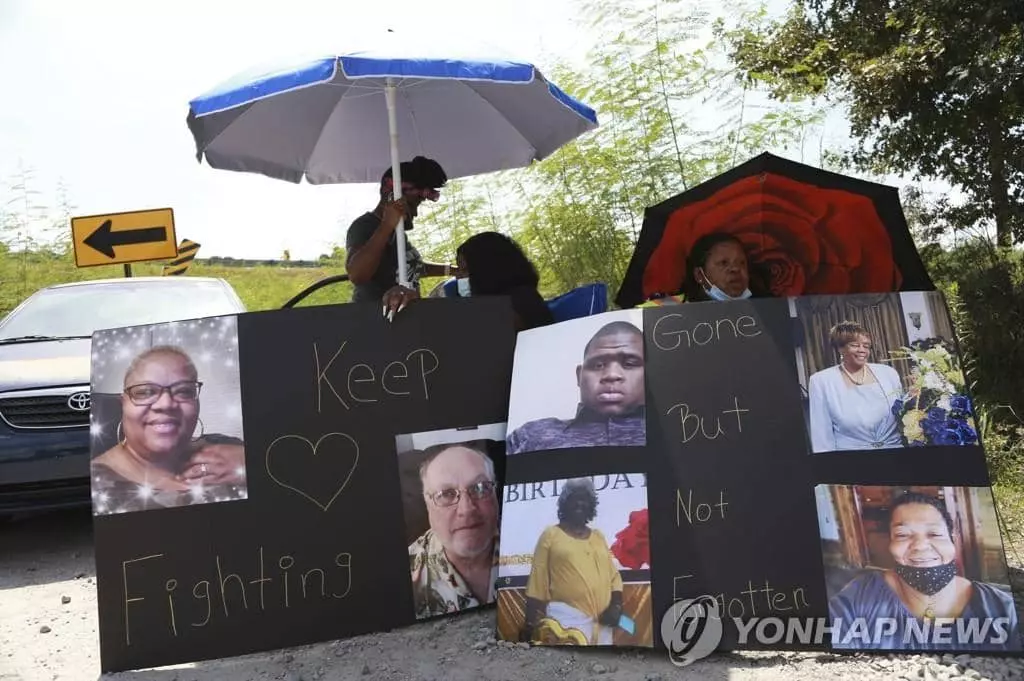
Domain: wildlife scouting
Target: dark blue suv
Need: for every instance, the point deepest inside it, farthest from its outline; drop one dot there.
(44, 375)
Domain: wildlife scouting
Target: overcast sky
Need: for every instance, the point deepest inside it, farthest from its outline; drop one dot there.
(95, 93)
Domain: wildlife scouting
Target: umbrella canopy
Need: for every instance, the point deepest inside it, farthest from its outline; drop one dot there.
(473, 109)
(807, 231)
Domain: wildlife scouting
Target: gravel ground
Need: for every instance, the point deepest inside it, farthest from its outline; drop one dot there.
(48, 632)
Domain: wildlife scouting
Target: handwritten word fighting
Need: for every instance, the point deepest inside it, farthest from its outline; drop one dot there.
(294, 588)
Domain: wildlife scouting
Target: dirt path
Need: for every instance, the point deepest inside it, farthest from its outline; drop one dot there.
(48, 632)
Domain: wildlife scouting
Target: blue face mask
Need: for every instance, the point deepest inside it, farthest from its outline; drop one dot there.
(463, 286)
(716, 293)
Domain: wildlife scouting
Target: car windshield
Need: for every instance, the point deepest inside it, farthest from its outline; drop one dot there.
(80, 310)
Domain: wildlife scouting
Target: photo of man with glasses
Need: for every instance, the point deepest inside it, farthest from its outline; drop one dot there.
(454, 562)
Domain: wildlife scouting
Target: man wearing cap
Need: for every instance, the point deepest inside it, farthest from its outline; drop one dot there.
(372, 260)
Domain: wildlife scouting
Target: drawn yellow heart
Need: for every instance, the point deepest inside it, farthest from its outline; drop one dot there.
(315, 449)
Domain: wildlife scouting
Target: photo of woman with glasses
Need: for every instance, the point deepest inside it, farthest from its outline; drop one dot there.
(163, 458)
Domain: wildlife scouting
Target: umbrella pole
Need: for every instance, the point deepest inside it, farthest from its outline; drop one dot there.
(396, 170)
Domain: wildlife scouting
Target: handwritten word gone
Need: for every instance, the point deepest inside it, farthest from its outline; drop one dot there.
(667, 335)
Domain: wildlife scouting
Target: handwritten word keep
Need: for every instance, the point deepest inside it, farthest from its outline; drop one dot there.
(359, 382)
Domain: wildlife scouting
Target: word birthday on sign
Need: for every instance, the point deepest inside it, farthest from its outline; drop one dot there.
(358, 382)
(290, 587)
(550, 489)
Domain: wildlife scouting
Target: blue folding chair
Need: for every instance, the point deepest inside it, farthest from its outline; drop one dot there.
(583, 301)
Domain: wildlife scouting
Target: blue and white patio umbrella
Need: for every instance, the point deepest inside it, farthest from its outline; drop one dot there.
(347, 117)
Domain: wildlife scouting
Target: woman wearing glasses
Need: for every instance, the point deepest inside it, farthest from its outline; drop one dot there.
(162, 457)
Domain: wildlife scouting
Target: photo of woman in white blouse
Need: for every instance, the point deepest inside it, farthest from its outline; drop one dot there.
(851, 403)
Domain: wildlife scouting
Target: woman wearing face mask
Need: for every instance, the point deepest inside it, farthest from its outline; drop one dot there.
(851, 403)
(492, 264)
(923, 585)
(716, 269)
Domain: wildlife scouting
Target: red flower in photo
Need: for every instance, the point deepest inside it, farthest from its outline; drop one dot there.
(803, 239)
(632, 545)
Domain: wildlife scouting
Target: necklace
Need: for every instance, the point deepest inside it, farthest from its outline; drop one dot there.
(929, 602)
(862, 373)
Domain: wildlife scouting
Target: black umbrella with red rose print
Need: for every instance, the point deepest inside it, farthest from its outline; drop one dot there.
(807, 231)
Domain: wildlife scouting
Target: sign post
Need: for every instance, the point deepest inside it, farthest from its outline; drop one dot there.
(124, 238)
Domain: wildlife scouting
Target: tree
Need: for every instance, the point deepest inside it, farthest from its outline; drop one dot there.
(672, 115)
(933, 88)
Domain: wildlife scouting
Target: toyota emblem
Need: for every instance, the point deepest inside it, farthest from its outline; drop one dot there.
(79, 402)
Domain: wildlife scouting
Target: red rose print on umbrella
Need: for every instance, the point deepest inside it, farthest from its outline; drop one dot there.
(805, 240)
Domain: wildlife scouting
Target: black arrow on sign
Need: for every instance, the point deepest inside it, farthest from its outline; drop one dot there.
(104, 238)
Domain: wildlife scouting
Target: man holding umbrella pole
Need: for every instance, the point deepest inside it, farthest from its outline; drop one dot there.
(372, 260)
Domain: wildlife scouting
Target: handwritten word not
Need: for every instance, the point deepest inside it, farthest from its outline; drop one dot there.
(360, 383)
(693, 424)
(703, 512)
(667, 334)
(294, 588)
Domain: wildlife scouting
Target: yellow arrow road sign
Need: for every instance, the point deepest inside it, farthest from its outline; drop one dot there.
(134, 236)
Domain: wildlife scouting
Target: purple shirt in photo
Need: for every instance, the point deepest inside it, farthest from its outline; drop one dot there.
(586, 430)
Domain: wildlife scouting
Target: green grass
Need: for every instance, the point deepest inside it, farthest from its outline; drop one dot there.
(264, 287)
(260, 288)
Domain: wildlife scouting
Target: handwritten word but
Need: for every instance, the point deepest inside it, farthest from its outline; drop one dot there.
(693, 424)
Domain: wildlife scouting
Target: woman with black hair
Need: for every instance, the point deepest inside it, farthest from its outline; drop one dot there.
(492, 264)
(717, 268)
(923, 585)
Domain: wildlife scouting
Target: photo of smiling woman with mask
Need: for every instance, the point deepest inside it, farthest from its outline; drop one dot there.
(851, 404)
(163, 457)
(926, 581)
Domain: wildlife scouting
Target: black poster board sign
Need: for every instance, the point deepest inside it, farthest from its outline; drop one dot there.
(799, 473)
(309, 441)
